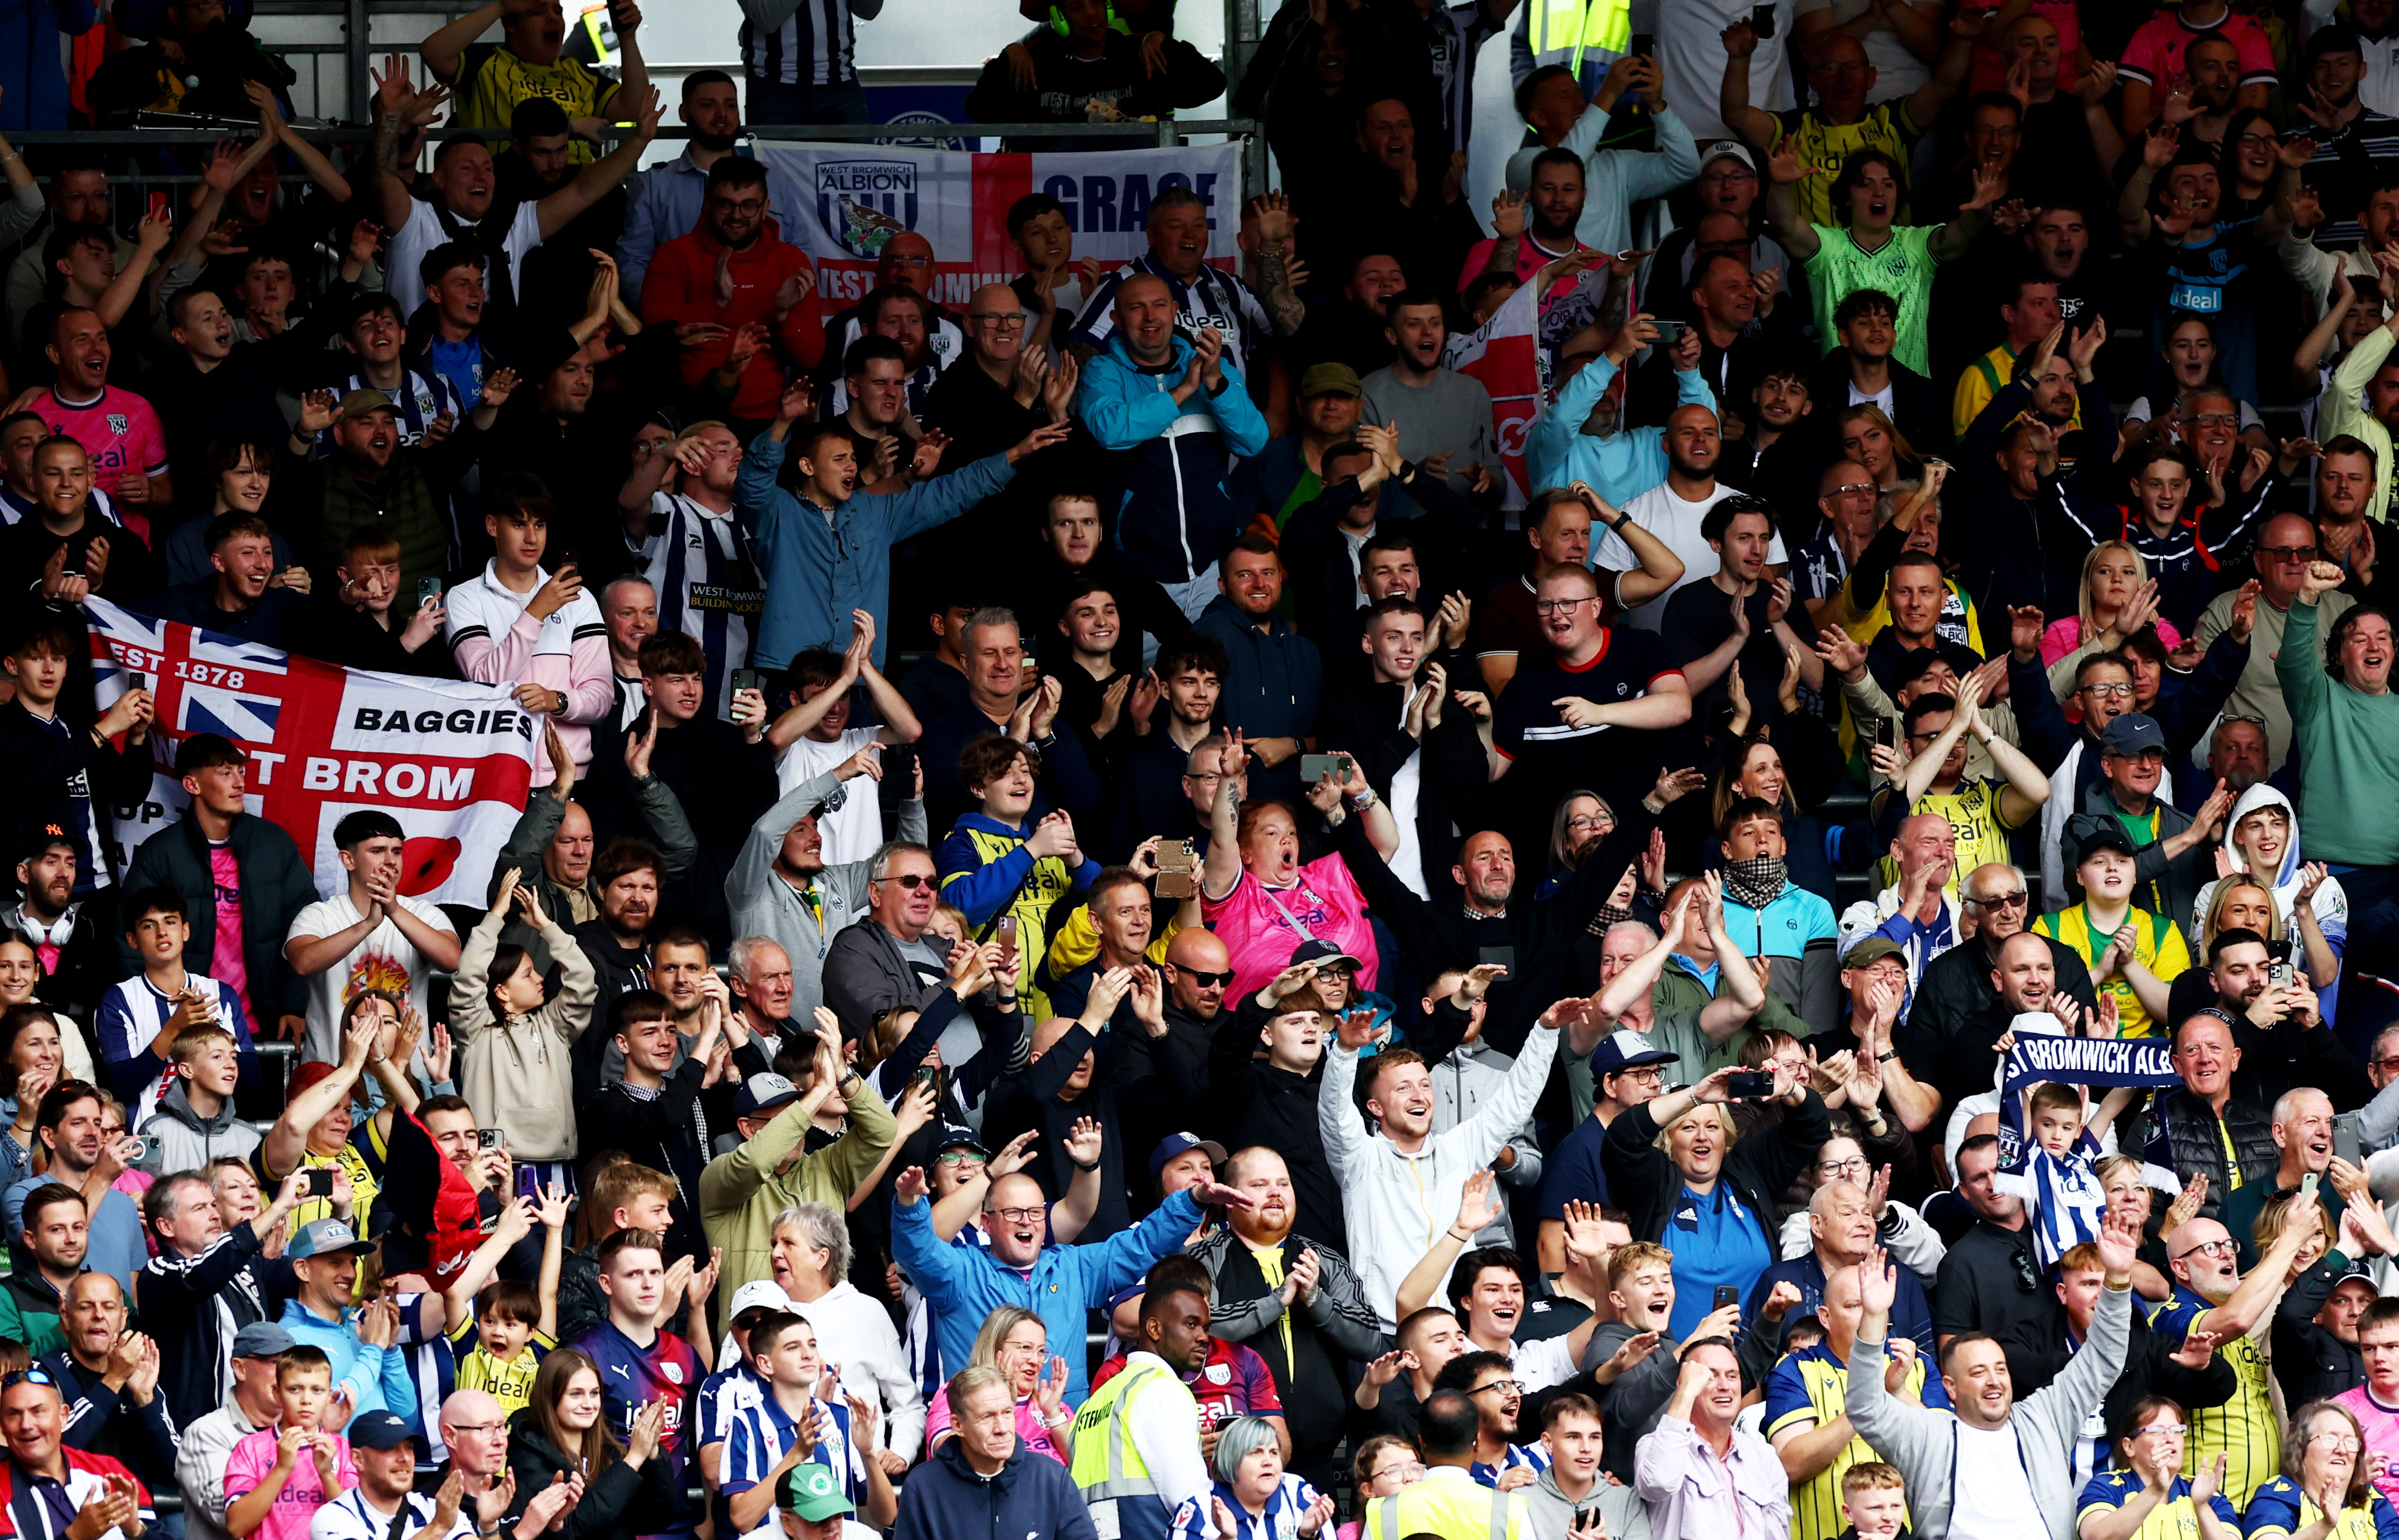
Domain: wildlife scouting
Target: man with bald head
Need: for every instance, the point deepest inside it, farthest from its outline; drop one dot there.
(1918, 913)
(1676, 510)
(1962, 1005)
(906, 262)
(1205, 298)
(2302, 1132)
(1023, 1265)
(1149, 380)
(115, 1373)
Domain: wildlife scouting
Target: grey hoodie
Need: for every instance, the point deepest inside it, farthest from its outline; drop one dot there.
(1620, 1509)
(1923, 1443)
(182, 1141)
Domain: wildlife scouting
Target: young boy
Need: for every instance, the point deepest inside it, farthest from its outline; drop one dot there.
(737, 1385)
(142, 1018)
(763, 1443)
(371, 936)
(997, 856)
(54, 770)
(518, 622)
(815, 735)
(1873, 1499)
(189, 1119)
(513, 1324)
(370, 623)
(2137, 979)
(278, 1477)
(2062, 1194)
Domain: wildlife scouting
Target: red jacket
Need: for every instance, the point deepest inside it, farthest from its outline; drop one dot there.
(682, 287)
(83, 1470)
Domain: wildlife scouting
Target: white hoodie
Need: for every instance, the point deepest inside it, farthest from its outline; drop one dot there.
(2331, 905)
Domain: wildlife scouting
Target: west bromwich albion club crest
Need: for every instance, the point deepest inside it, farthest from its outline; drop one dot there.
(862, 204)
(118, 424)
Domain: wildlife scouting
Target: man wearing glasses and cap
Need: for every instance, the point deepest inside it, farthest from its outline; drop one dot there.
(1960, 1005)
(208, 1441)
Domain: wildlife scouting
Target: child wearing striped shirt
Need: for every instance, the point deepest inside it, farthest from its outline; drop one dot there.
(2064, 1198)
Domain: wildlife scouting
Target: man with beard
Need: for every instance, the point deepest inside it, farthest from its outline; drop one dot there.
(464, 182)
(780, 888)
(1972, 991)
(906, 262)
(1536, 216)
(1293, 1299)
(369, 477)
(624, 875)
(694, 551)
(1588, 207)
(2280, 1040)
(909, 321)
(1442, 415)
(76, 961)
(1676, 510)
(668, 198)
(735, 270)
(552, 845)
(2030, 311)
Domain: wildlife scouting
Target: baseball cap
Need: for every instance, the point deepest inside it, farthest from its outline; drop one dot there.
(1331, 379)
(761, 1092)
(758, 1293)
(1322, 952)
(1730, 149)
(957, 1136)
(2132, 734)
(324, 1237)
(358, 403)
(377, 1430)
(1175, 1143)
(1871, 949)
(262, 1340)
(808, 1491)
(41, 840)
(1620, 1051)
(2093, 832)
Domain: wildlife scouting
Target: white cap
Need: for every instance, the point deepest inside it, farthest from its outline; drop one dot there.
(757, 1291)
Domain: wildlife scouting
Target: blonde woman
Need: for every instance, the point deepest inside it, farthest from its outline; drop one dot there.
(2114, 574)
(1014, 1342)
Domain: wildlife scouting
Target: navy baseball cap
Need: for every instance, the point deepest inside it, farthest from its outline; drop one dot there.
(1175, 1143)
(377, 1430)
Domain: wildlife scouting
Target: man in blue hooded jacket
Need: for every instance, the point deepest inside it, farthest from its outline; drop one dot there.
(825, 547)
(1177, 417)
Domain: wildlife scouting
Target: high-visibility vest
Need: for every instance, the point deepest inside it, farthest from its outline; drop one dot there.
(1455, 1510)
(1571, 26)
(1107, 1465)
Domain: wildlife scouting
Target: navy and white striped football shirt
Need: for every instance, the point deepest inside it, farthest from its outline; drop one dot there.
(1214, 297)
(708, 584)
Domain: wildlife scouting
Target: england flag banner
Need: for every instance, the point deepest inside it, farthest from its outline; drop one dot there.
(860, 195)
(451, 762)
(1505, 354)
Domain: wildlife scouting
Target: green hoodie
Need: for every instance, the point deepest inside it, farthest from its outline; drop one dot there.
(2347, 743)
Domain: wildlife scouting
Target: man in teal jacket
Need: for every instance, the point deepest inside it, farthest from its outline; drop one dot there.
(1582, 437)
(827, 550)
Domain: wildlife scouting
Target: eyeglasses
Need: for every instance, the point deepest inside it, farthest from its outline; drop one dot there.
(1409, 1473)
(13, 1378)
(1856, 489)
(1592, 820)
(2387, 1061)
(1552, 606)
(1834, 1167)
(2287, 553)
(1505, 1387)
(2109, 692)
(2221, 419)
(1005, 320)
(2221, 1247)
(1205, 980)
(2248, 141)
(1018, 1216)
(2347, 1443)
(957, 1157)
(478, 1428)
(912, 881)
(1726, 178)
(2167, 1430)
(2002, 901)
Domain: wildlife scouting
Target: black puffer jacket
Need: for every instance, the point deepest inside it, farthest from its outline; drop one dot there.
(623, 1500)
(2187, 1138)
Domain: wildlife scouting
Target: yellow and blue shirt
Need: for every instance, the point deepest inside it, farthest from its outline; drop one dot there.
(2175, 1518)
(2244, 1430)
(985, 869)
(2281, 1510)
(492, 79)
(1808, 1389)
(2157, 944)
(509, 1380)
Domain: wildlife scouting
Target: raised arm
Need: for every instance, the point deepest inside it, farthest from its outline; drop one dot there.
(1660, 569)
(603, 175)
(400, 109)
(1221, 869)
(446, 49)
(1798, 236)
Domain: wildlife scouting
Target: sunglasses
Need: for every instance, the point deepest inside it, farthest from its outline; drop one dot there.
(1206, 979)
(26, 1376)
(912, 881)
